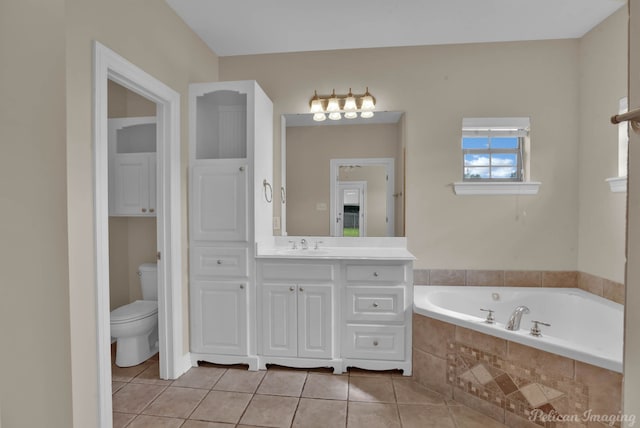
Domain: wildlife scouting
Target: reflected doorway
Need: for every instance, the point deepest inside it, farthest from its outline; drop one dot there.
(351, 209)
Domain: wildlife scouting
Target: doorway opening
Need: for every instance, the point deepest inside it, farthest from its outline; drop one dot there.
(368, 185)
(109, 66)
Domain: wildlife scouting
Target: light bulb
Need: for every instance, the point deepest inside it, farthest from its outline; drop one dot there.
(350, 102)
(319, 117)
(368, 102)
(350, 115)
(366, 114)
(335, 115)
(316, 103)
(334, 104)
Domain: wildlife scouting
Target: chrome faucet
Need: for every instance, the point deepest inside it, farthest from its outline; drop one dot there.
(303, 244)
(516, 316)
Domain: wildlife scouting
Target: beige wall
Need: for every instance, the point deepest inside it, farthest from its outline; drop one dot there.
(132, 240)
(35, 355)
(603, 81)
(631, 393)
(309, 152)
(437, 86)
(150, 35)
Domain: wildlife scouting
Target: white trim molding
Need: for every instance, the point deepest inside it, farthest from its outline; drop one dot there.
(108, 65)
(617, 184)
(497, 188)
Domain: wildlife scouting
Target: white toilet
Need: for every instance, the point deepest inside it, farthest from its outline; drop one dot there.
(135, 326)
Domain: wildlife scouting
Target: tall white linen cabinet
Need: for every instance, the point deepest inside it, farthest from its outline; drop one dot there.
(230, 209)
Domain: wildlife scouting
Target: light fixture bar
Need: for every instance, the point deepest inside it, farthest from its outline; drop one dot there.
(335, 105)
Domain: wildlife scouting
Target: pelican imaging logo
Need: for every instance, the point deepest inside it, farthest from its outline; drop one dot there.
(588, 416)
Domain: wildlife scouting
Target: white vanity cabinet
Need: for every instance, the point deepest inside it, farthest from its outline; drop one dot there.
(220, 202)
(297, 307)
(230, 157)
(132, 166)
(377, 317)
(343, 309)
(219, 317)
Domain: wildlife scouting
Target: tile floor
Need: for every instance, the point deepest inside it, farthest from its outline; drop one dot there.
(212, 396)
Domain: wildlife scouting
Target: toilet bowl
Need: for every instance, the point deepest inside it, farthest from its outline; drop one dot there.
(135, 325)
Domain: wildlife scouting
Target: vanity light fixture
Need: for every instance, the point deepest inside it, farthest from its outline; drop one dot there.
(335, 105)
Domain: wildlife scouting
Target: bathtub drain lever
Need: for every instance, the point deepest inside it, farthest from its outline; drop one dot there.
(490, 318)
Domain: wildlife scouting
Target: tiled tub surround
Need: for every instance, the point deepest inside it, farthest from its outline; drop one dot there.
(582, 326)
(508, 381)
(522, 278)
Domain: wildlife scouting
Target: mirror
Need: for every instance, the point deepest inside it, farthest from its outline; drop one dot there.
(343, 178)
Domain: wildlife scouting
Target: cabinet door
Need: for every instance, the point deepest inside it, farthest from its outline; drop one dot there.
(279, 323)
(219, 318)
(219, 202)
(131, 184)
(315, 321)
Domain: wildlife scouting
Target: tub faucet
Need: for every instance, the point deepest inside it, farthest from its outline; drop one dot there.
(304, 244)
(516, 316)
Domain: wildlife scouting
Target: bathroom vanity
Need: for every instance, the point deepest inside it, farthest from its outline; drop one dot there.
(255, 299)
(347, 303)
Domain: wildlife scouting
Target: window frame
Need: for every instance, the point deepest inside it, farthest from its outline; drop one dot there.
(497, 127)
(490, 134)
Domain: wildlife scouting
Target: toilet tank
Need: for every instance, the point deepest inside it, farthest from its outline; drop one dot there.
(148, 273)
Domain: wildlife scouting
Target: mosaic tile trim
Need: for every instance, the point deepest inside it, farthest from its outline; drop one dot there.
(513, 386)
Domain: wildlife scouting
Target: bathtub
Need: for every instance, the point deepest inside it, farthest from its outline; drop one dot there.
(584, 327)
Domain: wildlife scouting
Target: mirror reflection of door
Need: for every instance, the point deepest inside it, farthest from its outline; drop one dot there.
(377, 207)
(351, 208)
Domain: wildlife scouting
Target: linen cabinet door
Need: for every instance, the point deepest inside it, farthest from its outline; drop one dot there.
(219, 317)
(279, 323)
(131, 184)
(315, 321)
(219, 202)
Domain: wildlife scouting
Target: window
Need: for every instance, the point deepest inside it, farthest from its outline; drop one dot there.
(623, 138)
(619, 184)
(493, 149)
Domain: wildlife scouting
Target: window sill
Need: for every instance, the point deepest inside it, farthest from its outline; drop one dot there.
(617, 184)
(497, 188)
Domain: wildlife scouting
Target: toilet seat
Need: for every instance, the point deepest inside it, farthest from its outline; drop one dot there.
(134, 311)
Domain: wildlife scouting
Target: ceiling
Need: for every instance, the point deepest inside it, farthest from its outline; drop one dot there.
(246, 27)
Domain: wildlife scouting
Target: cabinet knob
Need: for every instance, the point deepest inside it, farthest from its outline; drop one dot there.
(292, 288)
(241, 168)
(375, 343)
(219, 262)
(375, 305)
(144, 210)
(375, 274)
(151, 210)
(241, 286)
(301, 289)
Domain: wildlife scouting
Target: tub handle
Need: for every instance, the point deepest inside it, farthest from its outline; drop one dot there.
(490, 318)
(535, 330)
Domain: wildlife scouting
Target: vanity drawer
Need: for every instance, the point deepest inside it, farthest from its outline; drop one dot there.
(374, 342)
(376, 273)
(375, 304)
(218, 261)
(298, 271)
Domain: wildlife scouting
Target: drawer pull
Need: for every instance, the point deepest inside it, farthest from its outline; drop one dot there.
(241, 287)
(151, 210)
(301, 289)
(144, 210)
(375, 305)
(292, 288)
(375, 343)
(375, 274)
(219, 262)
